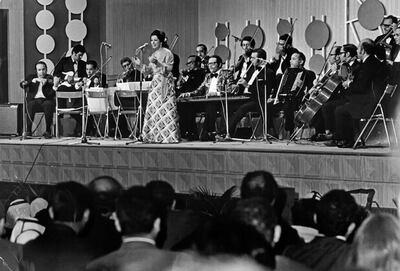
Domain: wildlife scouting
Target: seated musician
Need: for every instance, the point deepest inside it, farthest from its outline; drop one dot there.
(215, 84)
(71, 69)
(243, 63)
(190, 80)
(348, 67)
(294, 83)
(201, 51)
(283, 53)
(385, 42)
(260, 82)
(361, 96)
(93, 76)
(130, 74)
(40, 97)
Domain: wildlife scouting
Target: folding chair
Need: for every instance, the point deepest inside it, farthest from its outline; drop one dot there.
(359, 193)
(69, 96)
(126, 110)
(377, 115)
(97, 105)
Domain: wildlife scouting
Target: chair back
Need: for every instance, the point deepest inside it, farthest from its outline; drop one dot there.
(69, 94)
(360, 194)
(97, 100)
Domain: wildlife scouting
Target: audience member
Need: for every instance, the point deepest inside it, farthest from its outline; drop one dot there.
(335, 221)
(376, 245)
(60, 247)
(262, 184)
(138, 218)
(303, 213)
(260, 215)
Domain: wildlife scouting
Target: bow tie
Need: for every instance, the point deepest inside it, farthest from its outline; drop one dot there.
(214, 75)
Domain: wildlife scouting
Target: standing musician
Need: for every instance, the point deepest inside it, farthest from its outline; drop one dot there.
(283, 52)
(386, 42)
(215, 84)
(247, 44)
(292, 88)
(190, 80)
(40, 97)
(362, 94)
(73, 69)
(130, 74)
(260, 82)
(201, 51)
(348, 67)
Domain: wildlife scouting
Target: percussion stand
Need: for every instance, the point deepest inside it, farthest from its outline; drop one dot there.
(140, 110)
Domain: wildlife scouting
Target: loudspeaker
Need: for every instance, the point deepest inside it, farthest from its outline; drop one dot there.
(11, 119)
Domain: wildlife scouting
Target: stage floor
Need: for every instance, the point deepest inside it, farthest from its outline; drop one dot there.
(304, 165)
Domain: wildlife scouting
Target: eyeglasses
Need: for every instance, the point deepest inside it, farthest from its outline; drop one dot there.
(386, 25)
(190, 62)
(212, 63)
(126, 65)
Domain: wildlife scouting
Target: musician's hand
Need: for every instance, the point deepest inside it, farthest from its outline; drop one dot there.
(96, 82)
(153, 60)
(24, 83)
(243, 82)
(136, 61)
(346, 84)
(390, 62)
(334, 68)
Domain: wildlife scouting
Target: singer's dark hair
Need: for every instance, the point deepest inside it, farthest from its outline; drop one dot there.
(41, 62)
(161, 36)
(79, 49)
(125, 59)
(249, 39)
(93, 63)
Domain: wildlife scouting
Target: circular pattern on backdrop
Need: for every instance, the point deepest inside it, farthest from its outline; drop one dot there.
(221, 31)
(316, 63)
(76, 6)
(223, 52)
(256, 32)
(49, 64)
(76, 30)
(283, 27)
(45, 44)
(45, 2)
(317, 34)
(44, 19)
(370, 14)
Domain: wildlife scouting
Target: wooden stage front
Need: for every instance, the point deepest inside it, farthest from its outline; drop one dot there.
(303, 165)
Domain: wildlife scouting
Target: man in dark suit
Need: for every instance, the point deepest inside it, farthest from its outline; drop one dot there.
(138, 217)
(40, 97)
(75, 66)
(130, 74)
(191, 79)
(243, 63)
(384, 46)
(362, 96)
(260, 82)
(216, 83)
(202, 51)
(93, 76)
(283, 52)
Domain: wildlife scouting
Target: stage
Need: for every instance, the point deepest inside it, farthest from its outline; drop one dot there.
(303, 165)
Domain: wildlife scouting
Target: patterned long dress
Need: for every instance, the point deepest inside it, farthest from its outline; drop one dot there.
(161, 118)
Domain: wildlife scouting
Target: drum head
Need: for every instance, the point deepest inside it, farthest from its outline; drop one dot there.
(223, 52)
(283, 27)
(255, 32)
(221, 31)
(371, 14)
(317, 34)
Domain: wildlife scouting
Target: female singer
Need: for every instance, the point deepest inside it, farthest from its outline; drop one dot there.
(161, 117)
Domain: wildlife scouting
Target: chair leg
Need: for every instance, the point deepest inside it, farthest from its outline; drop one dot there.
(394, 132)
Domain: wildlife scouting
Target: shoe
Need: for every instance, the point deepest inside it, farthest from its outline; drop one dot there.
(47, 135)
(346, 144)
(208, 137)
(321, 137)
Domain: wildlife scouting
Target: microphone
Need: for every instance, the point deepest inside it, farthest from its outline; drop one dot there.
(236, 38)
(106, 44)
(142, 47)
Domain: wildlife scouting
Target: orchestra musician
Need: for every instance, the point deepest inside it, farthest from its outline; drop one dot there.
(201, 51)
(247, 43)
(283, 53)
(40, 97)
(73, 70)
(293, 90)
(390, 106)
(191, 78)
(386, 42)
(260, 82)
(348, 67)
(362, 94)
(215, 84)
(93, 76)
(130, 74)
